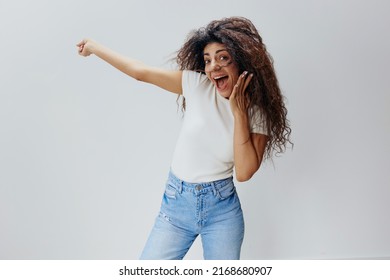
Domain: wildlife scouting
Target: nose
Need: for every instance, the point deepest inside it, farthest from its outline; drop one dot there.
(214, 66)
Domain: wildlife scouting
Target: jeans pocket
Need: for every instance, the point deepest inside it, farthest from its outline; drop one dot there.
(170, 191)
(226, 191)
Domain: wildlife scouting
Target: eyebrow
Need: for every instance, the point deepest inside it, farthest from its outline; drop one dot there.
(218, 51)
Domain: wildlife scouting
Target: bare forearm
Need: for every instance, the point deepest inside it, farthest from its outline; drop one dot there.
(246, 159)
(129, 66)
(169, 80)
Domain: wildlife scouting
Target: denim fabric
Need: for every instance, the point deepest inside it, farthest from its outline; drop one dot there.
(211, 209)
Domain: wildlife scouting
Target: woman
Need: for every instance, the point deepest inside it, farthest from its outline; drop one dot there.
(234, 118)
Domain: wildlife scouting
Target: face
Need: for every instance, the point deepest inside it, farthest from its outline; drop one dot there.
(220, 68)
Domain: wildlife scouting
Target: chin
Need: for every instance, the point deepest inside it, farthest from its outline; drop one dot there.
(225, 93)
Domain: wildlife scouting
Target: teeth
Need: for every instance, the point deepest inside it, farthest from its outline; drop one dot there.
(219, 77)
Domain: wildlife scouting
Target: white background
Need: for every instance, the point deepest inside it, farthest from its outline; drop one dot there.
(85, 150)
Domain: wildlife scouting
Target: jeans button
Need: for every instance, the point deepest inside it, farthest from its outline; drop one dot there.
(198, 188)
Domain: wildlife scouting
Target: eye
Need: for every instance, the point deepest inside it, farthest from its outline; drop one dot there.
(223, 58)
(206, 61)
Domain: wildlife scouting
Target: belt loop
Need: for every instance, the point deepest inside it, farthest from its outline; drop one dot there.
(214, 189)
(180, 186)
(177, 182)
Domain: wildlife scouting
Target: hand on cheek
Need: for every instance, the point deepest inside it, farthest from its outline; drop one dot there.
(239, 99)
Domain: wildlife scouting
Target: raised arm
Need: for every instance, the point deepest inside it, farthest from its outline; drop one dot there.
(169, 80)
(248, 147)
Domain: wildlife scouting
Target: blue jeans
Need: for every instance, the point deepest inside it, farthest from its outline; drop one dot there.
(211, 209)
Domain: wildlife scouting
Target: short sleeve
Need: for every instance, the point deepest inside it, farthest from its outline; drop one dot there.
(190, 81)
(258, 122)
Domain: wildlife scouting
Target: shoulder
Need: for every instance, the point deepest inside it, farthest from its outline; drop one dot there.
(193, 76)
(192, 80)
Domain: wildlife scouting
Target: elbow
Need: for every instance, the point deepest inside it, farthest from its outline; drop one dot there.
(139, 75)
(136, 70)
(244, 176)
(241, 178)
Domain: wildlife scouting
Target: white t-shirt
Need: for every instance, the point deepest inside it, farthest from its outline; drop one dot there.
(204, 150)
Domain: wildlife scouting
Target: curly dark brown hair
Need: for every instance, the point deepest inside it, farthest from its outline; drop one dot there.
(243, 42)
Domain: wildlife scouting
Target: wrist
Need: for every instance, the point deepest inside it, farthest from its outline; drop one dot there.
(241, 121)
(91, 46)
(240, 115)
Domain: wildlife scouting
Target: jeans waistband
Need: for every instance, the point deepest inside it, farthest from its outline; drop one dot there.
(216, 184)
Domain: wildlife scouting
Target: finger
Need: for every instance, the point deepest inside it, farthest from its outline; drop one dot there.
(247, 81)
(239, 84)
(242, 84)
(234, 92)
(81, 43)
(81, 48)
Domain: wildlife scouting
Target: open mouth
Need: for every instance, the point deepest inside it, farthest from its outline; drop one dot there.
(221, 82)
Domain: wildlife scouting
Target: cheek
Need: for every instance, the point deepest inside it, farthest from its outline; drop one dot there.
(234, 74)
(234, 79)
